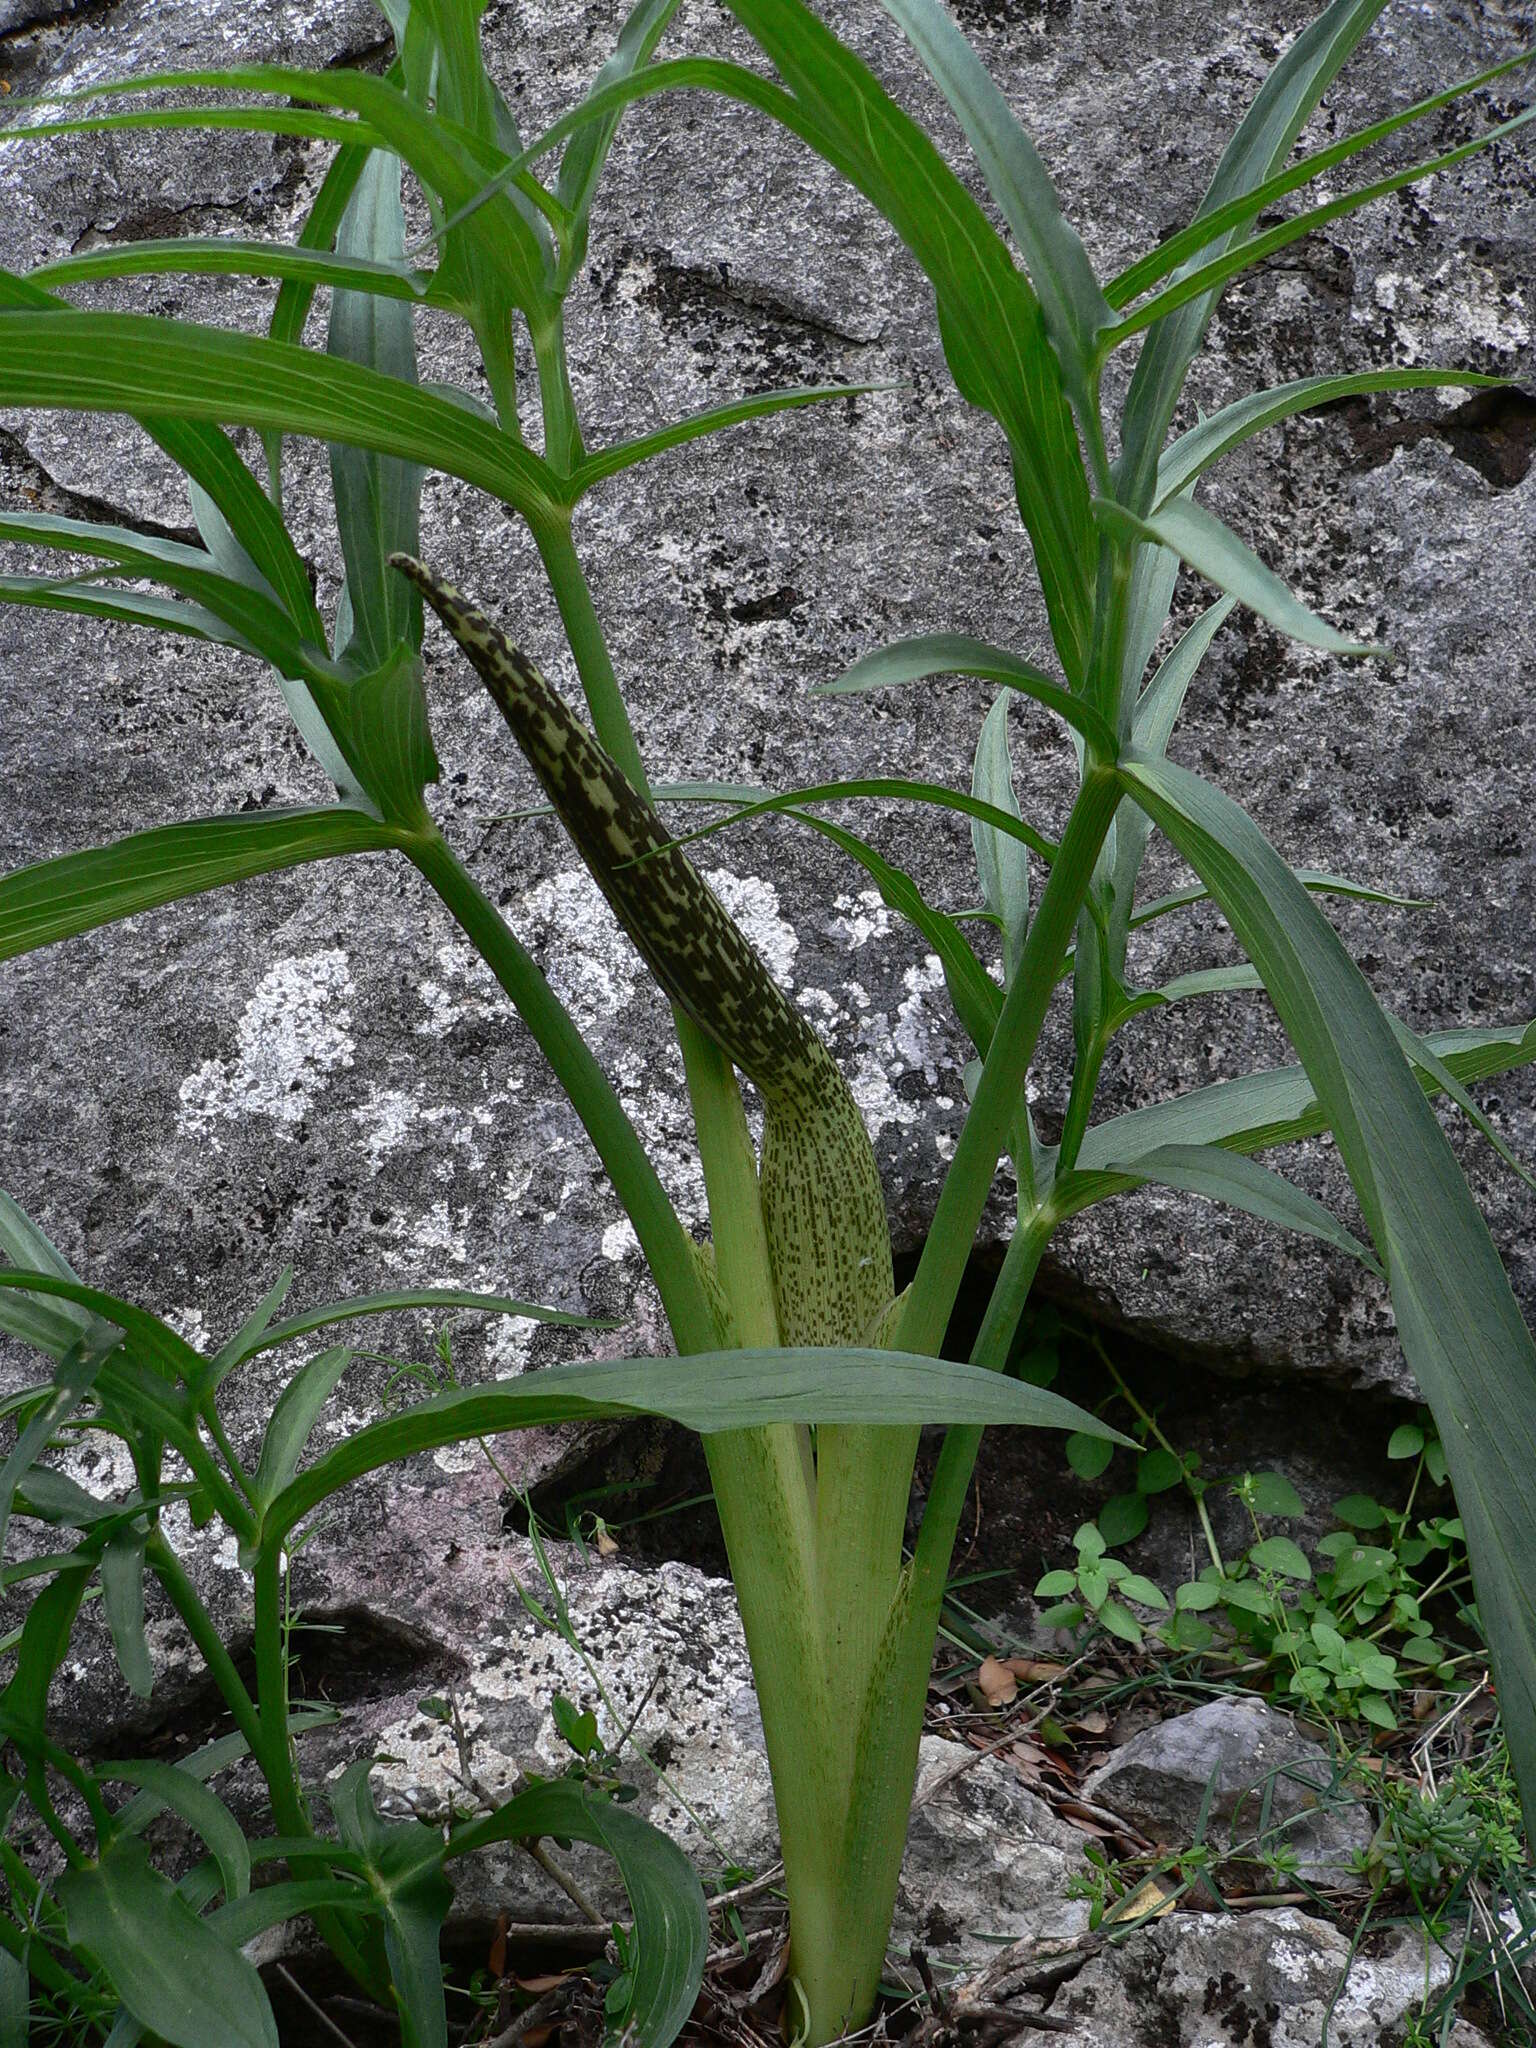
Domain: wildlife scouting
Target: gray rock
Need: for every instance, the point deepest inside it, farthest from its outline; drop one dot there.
(1273, 1790)
(1271, 1979)
(728, 578)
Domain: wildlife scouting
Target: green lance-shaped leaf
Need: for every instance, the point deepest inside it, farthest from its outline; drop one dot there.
(207, 458)
(51, 1324)
(1218, 1176)
(949, 654)
(271, 1335)
(77, 1373)
(172, 1970)
(1199, 538)
(122, 1598)
(671, 1927)
(77, 892)
(404, 1862)
(581, 165)
(1074, 307)
(1280, 1105)
(706, 1391)
(187, 1796)
(990, 321)
(1220, 432)
(1461, 1331)
(1256, 199)
(377, 496)
(129, 362)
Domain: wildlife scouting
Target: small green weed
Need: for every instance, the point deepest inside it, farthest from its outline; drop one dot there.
(1340, 1635)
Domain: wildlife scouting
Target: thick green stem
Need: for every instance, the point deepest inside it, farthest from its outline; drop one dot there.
(964, 1194)
(562, 436)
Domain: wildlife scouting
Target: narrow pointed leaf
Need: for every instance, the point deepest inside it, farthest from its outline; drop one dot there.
(1075, 308)
(1238, 212)
(1200, 539)
(954, 654)
(130, 608)
(1445, 1080)
(52, 1325)
(1204, 282)
(247, 1338)
(377, 496)
(1002, 863)
(715, 419)
(1280, 1105)
(298, 1409)
(581, 166)
(990, 321)
(146, 1338)
(228, 256)
(1316, 879)
(1218, 1176)
(1256, 152)
(76, 1375)
(208, 459)
(57, 899)
(122, 1599)
(204, 1812)
(1195, 452)
(129, 362)
(272, 1905)
(975, 995)
(892, 786)
(414, 1297)
(1461, 1330)
(1153, 718)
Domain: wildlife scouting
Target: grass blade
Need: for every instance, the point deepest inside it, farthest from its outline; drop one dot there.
(1461, 1330)
(57, 899)
(187, 1796)
(581, 167)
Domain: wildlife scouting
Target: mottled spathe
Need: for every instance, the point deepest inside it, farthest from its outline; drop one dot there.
(822, 1200)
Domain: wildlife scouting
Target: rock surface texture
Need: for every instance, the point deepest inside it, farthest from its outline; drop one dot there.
(315, 1070)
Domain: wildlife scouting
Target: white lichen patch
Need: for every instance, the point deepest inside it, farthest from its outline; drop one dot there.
(390, 1119)
(754, 904)
(294, 1033)
(464, 989)
(1463, 305)
(620, 1241)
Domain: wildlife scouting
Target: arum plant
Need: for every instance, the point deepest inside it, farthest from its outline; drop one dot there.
(793, 1298)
